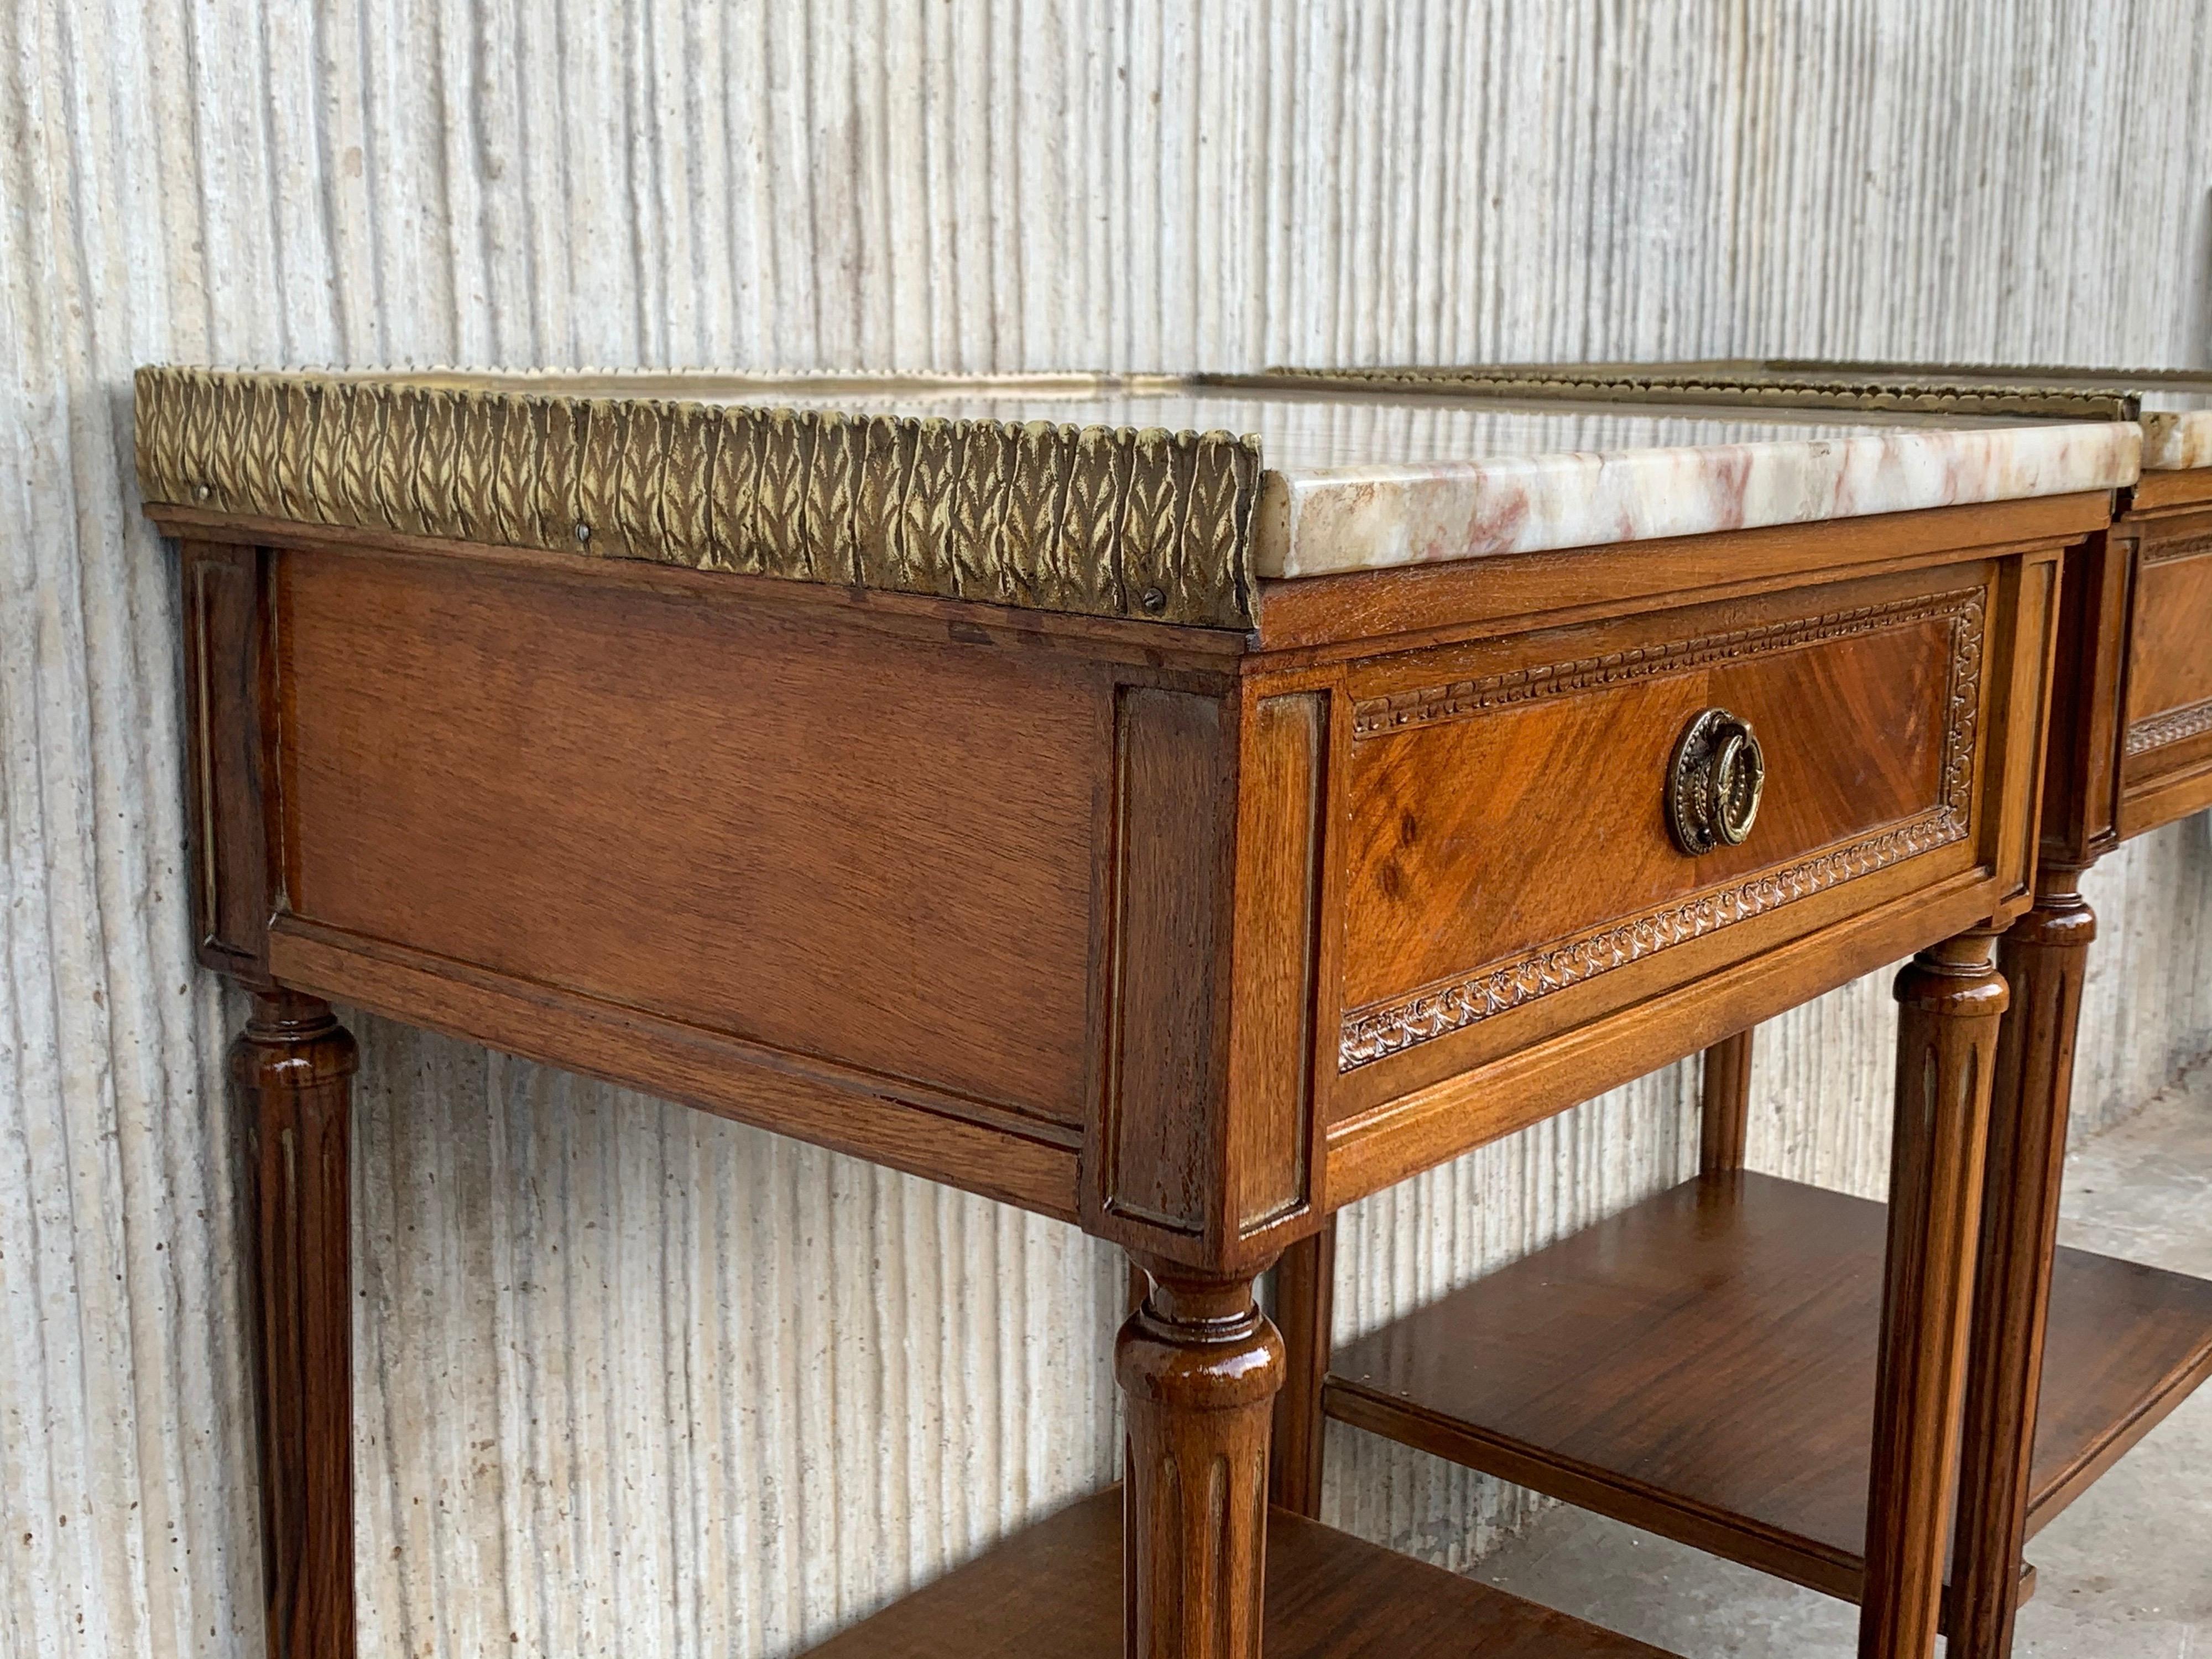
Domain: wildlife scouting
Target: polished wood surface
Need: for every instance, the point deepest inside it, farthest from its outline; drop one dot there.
(228, 693)
(1702, 1365)
(1949, 1000)
(1305, 1308)
(1055, 1589)
(1515, 785)
(293, 1066)
(2044, 960)
(1724, 1104)
(516, 773)
(1199, 1365)
(1440, 1062)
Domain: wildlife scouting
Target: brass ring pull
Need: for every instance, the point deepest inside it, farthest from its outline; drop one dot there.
(1714, 783)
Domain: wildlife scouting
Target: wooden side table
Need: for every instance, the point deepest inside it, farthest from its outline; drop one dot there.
(1751, 1303)
(1181, 836)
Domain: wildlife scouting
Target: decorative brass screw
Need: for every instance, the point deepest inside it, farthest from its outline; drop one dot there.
(1714, 782)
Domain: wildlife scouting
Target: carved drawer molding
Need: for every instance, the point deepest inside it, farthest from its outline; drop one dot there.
(2174, 725)
(1379, 1031)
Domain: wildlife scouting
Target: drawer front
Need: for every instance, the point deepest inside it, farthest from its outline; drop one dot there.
(1511, 870)
(2165, 762)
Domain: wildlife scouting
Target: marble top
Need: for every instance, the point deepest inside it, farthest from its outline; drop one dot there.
(1022, 490)
(2177, 428)
(2173, 406)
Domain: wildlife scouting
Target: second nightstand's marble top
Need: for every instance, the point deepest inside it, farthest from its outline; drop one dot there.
(2177, 431)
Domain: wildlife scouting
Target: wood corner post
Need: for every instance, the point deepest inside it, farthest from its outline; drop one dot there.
(1305, 1306)
(2045, 958)
(1724, 1090)
(294, 1066)
(1199, 1365)
(1950, 998)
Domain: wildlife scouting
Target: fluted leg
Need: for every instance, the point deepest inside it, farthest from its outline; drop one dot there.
(1950, 998)
(294, 1066)
(1199, 1366)
(1726, 1091)
(2044, 958)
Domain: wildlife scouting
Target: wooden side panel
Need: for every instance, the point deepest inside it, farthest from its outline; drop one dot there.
(842, 846)
(1157, 1158)
(226, 674)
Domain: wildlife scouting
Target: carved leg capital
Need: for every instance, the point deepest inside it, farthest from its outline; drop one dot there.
(1199, 1365)
(294, 1066)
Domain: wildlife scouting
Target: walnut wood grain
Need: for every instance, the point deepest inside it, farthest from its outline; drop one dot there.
(518, 774)
(1000, 1155)
(1478, 767)
(293, 1066)
(1306, 1304)
(2044, 957)
(1157, 1166)
(1055, 1588)
(226, 695)
(1199, 1365)
(2167, 667)
(1949, 1000)
(1702, 1365)
(1724, 1101)
(2081, 750)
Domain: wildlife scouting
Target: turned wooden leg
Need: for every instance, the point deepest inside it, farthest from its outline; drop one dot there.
(1305, 1296)
(1199, 1365)
(1726, 1088)
(2044, 958)
(293, 1066)
(1950, 999)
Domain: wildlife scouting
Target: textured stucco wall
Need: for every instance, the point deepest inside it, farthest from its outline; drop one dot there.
(634, 1380)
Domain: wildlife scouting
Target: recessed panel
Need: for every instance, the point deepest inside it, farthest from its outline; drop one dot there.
(829, 839)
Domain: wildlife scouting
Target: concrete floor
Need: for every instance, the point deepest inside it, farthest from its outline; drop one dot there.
(2125, 1573)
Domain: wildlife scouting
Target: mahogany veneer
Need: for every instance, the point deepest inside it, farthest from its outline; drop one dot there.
(1055, 1588)
(1702, 1365)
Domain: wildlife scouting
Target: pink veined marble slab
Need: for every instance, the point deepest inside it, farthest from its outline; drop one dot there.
(2176, 439)
(1319, 521)
(1363, 480)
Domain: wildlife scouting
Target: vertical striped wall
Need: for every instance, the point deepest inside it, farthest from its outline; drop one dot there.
(633, 1380)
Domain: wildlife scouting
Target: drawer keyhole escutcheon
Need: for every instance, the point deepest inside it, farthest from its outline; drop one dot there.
(1714, 782)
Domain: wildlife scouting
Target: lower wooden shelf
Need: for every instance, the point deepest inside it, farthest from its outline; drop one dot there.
(1702, 1366)
(1055, 1588)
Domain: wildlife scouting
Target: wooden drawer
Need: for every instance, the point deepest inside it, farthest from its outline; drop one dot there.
(1510, 882)
(2166, 762)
